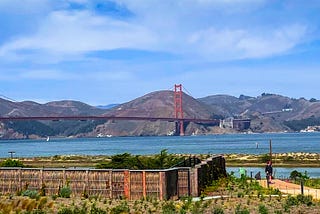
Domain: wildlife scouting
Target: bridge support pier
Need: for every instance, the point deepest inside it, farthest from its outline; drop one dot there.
(180, 128)
(178, 108)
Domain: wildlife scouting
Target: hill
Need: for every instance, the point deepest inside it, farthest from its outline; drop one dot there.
(268, 113)
(155, 104)
(36, 129)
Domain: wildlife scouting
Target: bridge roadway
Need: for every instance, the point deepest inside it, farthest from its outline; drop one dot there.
(102, 117)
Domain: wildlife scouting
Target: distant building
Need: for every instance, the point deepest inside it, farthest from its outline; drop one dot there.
(226, 123)
(237, 124)
(241, 124)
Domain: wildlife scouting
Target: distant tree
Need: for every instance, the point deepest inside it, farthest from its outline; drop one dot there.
(312, 100)
(266, 94)
(128, 161)
(11, 163)
(297, 125)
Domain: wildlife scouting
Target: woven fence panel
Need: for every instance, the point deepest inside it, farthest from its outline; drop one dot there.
(152, 185)
(172, 183)
(77, 181)
(136, 185)
(183, 182)
(31, 179)
(52, 180)
(117, 184)
(99, 183)
(9, 181)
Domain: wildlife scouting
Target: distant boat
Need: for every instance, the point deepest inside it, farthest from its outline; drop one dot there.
(48, 138)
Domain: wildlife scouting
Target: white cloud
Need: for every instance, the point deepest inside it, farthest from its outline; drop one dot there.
(72, 32)
(273, 42)
(228, 43)
(159, 26)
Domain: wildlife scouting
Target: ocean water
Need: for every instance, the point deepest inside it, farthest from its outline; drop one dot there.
(279, 172)
(209, 144)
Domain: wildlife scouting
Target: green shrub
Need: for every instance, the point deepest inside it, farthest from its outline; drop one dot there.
(38, 212)
(73, 210)
(264, 158)
(169, 208)
(305, 199)
(96, 210)
(65, 192)
(263, 209)
(11, 163)
(239, 210)
(121, 208)
(291, 201)
(31, 194)
(66, 210)
(218, 210)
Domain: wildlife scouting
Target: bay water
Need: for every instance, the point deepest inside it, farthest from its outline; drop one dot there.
(206, 144)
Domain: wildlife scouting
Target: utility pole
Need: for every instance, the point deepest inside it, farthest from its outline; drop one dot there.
(270, 145)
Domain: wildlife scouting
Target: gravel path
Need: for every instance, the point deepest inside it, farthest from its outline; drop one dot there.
(290, 188)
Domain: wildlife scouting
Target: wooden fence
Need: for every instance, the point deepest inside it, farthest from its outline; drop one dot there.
(131, 184)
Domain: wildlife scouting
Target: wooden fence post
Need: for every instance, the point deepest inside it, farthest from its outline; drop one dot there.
(162, 185)
(110, 183)
(19, 179)
(126, 184)
(144, 188)
(41, 179)
(194, 180)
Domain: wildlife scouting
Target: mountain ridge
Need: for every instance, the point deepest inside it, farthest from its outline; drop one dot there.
(267, 112)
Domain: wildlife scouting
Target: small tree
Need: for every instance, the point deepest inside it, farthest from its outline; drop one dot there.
(11, 163)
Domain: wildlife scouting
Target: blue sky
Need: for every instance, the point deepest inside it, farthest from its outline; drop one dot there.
(103, 52)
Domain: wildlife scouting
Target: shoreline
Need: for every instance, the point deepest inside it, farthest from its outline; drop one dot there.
(288, 160)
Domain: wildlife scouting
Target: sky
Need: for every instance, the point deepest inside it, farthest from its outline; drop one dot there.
(103, 52)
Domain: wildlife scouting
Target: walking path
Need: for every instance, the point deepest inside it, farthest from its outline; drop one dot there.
(290, 188)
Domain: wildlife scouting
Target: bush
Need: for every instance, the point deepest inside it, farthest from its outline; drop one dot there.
(218, 210)
(120, 209)
(264, 158)
(169, 208)
(263, 209)
(65, 192)
(73, 210)
(239, 210)
(295, 175)
(11, 163)
(66, 210)
(38, 212)
(31, 194)
(305, 199)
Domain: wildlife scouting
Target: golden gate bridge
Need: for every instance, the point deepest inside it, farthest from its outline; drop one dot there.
(179, 119)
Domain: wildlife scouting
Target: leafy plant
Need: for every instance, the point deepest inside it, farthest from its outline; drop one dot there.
(218, 210)
(11, 163)
(169, 208)
(128, 161)
(65, 192)
(263, 209)
(97, 210)
(31, 194)
(239, 210)
(122, 208)
(295, 175)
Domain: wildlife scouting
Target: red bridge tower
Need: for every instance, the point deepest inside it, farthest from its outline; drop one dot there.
(178, 108)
